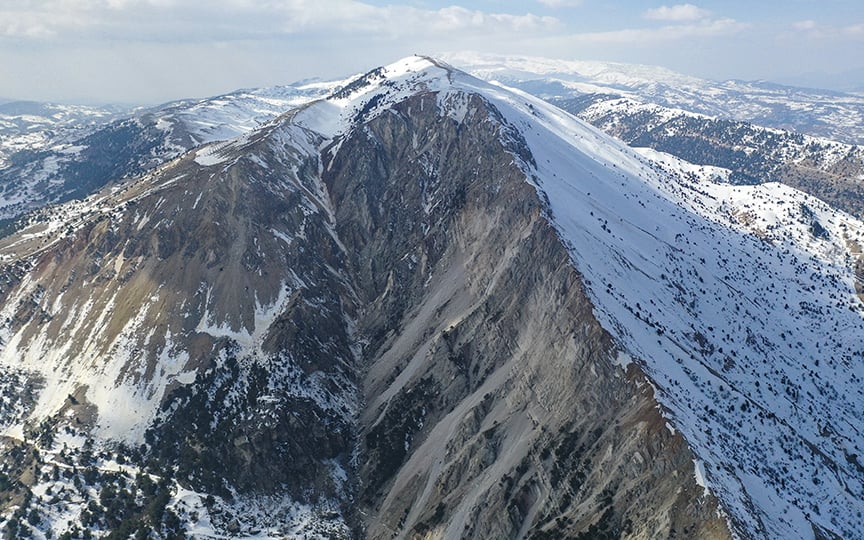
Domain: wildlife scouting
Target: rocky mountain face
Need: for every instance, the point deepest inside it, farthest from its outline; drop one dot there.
(427, 307)
(467, 431)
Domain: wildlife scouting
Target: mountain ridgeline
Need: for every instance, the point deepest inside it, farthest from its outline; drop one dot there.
(376, 317)
(51, 154)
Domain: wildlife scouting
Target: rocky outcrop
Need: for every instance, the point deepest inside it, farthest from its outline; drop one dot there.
(199, 314)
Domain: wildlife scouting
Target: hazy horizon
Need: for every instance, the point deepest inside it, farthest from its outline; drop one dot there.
(153, 51)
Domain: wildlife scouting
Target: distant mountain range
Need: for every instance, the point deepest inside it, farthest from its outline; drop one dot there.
(54, 153)
(821, 113)
(846, 81)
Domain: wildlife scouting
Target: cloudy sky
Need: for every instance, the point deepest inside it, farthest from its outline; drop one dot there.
(148, 51)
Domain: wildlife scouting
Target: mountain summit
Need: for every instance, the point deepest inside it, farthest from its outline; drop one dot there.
(427, 306)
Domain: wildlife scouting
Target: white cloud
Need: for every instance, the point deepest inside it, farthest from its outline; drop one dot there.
(813, 30)
(458, 18)
(854, 30)
(677, 13)
(230, 20)
(21, 29)
(804, 25)
(637, 36)
(560, 3)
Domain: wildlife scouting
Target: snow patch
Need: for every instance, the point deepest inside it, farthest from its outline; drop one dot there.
(699, 475)
(211, 155)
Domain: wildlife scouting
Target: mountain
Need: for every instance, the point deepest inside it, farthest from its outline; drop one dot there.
(431, 307)
(51, 154)
(33, 125)
(66, 152)
(825, 168)
(753, 154)
(820, 113)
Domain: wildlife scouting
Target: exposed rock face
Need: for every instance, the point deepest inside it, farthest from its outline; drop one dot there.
(200, 311)
(493, 408)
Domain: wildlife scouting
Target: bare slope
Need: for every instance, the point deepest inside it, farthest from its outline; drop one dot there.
(196, 317)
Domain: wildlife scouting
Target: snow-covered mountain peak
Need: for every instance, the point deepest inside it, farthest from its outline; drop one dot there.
(374, 93)
(722, 293)
(366, 96)
(740, 303)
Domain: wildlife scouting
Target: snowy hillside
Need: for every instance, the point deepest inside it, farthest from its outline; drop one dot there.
(32, 126)
(826, 169)
(739, 302)
(190, 123)
(834, 115)
(789, 147)
(118, 346)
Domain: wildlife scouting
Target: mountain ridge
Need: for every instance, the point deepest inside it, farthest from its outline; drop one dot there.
(60, 162)
(77, 162)
(754, 155)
